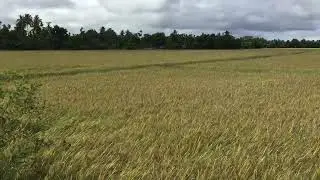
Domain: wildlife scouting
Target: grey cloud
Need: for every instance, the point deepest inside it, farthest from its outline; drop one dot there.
(42, 3)
(10, 9)
(134, 14)
(290, 23)
(7, 20)
(269, 16)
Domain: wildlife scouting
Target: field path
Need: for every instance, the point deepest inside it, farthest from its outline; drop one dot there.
(144, 66)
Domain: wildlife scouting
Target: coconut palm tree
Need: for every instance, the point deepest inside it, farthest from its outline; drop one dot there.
(23, 24)
(28, 23)
(36, 25)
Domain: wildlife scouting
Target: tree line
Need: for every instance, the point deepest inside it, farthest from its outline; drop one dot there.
(30, 33)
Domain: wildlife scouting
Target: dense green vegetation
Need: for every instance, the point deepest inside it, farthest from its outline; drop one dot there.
(29, 33)
(22, 123)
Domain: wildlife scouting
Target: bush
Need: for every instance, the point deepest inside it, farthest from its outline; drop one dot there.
(21, 123)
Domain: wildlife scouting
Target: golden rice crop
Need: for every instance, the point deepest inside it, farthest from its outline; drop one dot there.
(251, 114)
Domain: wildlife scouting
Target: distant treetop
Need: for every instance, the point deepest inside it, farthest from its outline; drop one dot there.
(30, 33)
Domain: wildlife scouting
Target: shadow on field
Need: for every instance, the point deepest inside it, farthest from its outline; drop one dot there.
(163, 65)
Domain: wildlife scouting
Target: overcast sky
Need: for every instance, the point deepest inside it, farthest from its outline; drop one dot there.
(284, 19)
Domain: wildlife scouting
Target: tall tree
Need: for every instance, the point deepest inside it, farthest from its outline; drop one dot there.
(28, 23)
(36, 25)
(59, 37)
(20, 25)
